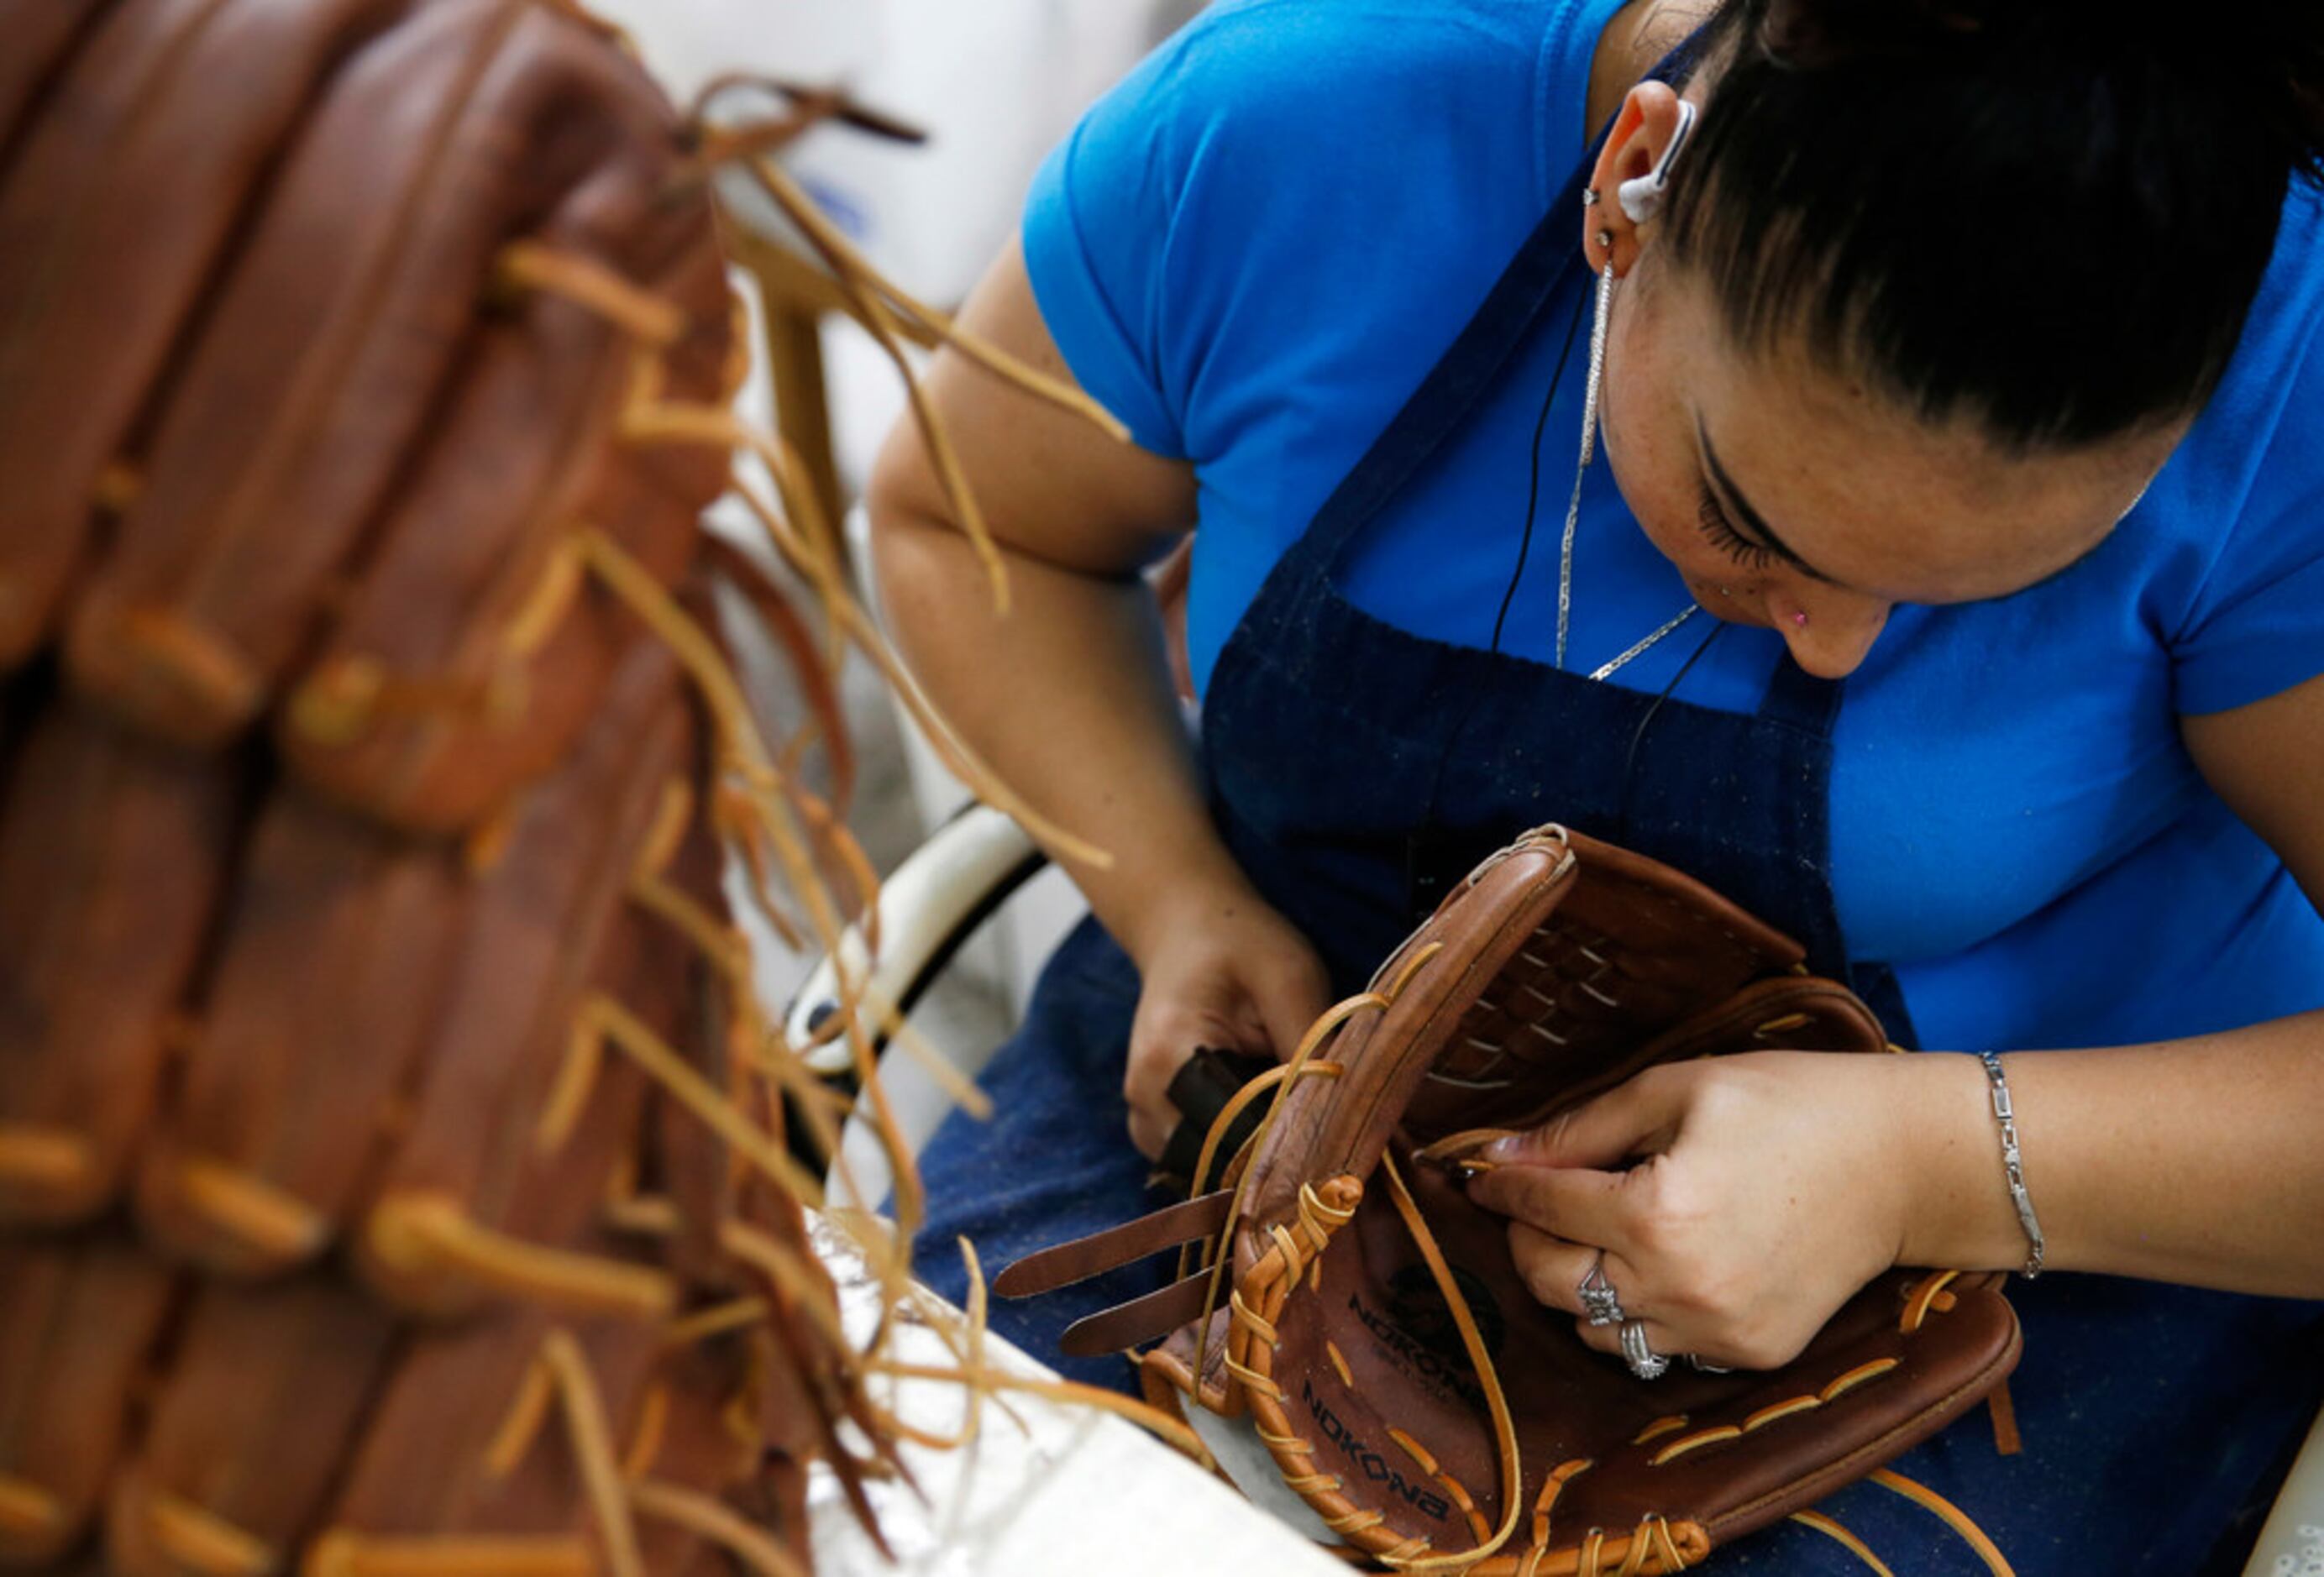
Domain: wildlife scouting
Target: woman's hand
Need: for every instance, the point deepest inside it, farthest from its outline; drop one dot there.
(1223, 971)
(1755, 1195)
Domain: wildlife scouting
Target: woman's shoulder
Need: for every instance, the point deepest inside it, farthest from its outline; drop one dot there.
(1290, 192)
(2259, 442)
(1413, 70)
(1386, 31)
(2228, 551)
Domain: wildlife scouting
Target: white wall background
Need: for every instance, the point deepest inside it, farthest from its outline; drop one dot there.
(994, 82)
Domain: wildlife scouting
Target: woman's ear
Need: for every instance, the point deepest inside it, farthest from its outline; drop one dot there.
(1649, 133)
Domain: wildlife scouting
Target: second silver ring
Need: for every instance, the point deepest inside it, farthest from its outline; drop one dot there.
(1643, 1360)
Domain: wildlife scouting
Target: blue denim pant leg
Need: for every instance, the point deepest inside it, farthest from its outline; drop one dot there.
(2156, 1422)
(1054, 1163)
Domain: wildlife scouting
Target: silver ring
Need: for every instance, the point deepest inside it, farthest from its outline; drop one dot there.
(1643, 1360)
(1704, 1366)
(1599, 1306)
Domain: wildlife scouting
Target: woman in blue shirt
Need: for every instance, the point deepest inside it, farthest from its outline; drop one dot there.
(1950, 592)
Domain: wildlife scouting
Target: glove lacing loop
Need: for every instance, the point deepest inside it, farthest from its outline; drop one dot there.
(1318, 1217)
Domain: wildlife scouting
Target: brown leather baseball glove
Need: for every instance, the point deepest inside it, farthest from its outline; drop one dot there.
(385, 1178)
(1368, 1319)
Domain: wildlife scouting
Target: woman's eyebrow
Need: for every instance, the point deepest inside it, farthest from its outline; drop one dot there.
(1732, 500)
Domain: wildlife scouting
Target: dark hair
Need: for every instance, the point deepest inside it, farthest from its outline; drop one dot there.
(2049, 217)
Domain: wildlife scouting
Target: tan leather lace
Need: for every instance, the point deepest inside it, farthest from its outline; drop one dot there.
(1480, 1359)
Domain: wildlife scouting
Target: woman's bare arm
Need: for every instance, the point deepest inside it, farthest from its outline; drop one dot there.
(2199, 1160)
(1069, 696)
(2202, 1161)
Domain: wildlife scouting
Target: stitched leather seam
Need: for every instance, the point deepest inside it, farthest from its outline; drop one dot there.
(1856, 1377)
(1847, 1469)
(1767, 1416)
(1840, 1386)
(1454, 1487)
(1695, 1441)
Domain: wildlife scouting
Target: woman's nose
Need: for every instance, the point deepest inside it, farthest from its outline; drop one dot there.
(1828, 630)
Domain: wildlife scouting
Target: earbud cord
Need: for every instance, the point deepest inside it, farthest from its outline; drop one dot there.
(1533, 482)
(1639, 735)
(1525, 549)
(1602, 289)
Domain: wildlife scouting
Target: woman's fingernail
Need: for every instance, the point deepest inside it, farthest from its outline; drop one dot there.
(1500, 1149)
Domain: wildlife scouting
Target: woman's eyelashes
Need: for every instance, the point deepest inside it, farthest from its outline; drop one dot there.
(1722, 535)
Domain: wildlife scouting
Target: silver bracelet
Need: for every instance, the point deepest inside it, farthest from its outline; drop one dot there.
(2011, 1165)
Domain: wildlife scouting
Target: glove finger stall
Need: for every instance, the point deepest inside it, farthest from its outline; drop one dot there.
(113, 855)
(113, 223)
(448, 997)
(322, 364)
(460, 666)
(76, 1330)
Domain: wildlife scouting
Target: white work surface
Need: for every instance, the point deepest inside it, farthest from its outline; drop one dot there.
(1072, 1491)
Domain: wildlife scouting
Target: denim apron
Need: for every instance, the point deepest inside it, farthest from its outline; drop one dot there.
(1355, 770)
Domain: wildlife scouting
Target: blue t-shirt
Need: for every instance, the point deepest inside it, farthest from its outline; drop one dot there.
(1256, 248)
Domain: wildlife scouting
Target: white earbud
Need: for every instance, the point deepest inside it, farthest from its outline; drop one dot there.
(1642, 198)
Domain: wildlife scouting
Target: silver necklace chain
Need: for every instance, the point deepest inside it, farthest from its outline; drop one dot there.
(1573, 504)
(1680, 617)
